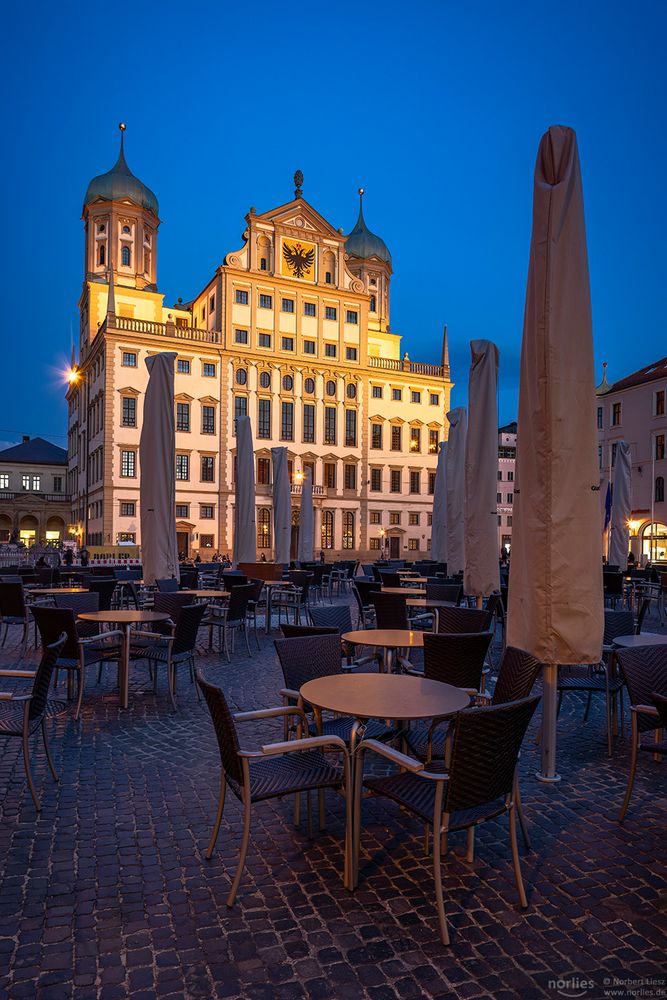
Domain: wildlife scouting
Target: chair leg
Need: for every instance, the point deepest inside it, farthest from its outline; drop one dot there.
(470, 845)
(26, 764)
(437, 876)
(321, 811)
(633, 768)
(55, 774)
(80, 685)
(515, 860)
(247, 810)
(245, 636)
(522, 819)
(218, 816)
(588, 708)
(4, 638)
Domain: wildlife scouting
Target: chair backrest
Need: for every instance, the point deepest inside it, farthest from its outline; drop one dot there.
(457, 658)
(188, 620)
(238, 601)
(225, 730)
(643, 608)
(169, 604)
(257, 588)
(189, 579)
(377, 574)
(306, 657)
(105, 589)
(78, 602)
(390, 610)
(445, 591)
(617, 623)
(366, 569)
(44, 576)
(464, 620)
(302, 579)
(51, 623)
(365, 588)
(12, 600)
(485, 749)
(42, 681)
(645, 671)
(613, 584)
(516, 675)
(338, 616)
(660, 702)
(167, 586)
(297, 631)
(234, 579)
(390, 578)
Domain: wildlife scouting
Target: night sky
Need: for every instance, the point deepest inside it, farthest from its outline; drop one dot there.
(436, 109)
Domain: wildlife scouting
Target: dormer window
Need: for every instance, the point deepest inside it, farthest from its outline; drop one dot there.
(126, 229)
(125, 257)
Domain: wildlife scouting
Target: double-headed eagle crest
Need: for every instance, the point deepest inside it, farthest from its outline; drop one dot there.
(298, 259)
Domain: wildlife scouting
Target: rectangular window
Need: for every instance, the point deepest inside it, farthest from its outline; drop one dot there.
(434, 399)
(509, 520)
(415, 439)
(240, 336)
(329, 424)
(500, 476)
(57, 484)
(510, 476)
(330, 350)
(350, 354)
(240, 408)
(350, 480)
(433, 442)
(376, 480)
(376, 517)
(208, 419)
(287, 422)
(330, 312)
(287, 305)
(264, 418)
(129, 359)
(309, 347)
(182, 416)
(376, 391)
(264, 471)
(330, 475)
(659, 407)
(376, 436)
(309, 309)
(415, 482)
(266, 302)
(374, 544)
(128, 464)
(208, 370)
(416, 396)
(615, 414)
(659, 446)
(599, 456)
(429, 520)
(397, 395)
(264, 340)
(211, 304)
(182, 466)
(129, 411)
(350, 428)
(4, 481)
(241, 297)
(395, 481)
(431, 483)
(206, 541)
(183, 366)
(499, 498)
(510, 498)
(124, 536)
(396, 438)
(413, 544)
(26, 480)
(127, 508)
(600, 411)
(394, 517)
(308, 423)
(207, 469)
(206, 511)
(288, 343)
(182, 510)
(351, 316)
(413, 519)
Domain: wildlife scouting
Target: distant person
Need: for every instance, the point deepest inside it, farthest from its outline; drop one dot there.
(69, 557)
(262, 558)
(631, 560)
(85, 556)
(321, 555)
(41, 563)
(197, 559)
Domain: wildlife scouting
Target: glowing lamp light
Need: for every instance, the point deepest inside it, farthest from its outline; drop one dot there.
(633, 526)
(73, 375)
(299, 477)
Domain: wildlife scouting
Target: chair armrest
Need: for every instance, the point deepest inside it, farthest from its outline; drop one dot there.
(307, 743)
(270, 713)
(644, 709)
(8, 696)
(409, 763)
(17, 673)
(5, 696)
(114, 634)
(289, 693)
(151, 635)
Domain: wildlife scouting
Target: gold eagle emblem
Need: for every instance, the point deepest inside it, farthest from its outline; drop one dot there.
(298, 259)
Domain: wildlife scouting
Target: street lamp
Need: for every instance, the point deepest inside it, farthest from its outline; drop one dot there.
(382, 533)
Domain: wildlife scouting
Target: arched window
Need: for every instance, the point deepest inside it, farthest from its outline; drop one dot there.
(263, 528)
(329, 267)
(348, 529)
(126, 229)
(101, 254)
(659, 489)
(264, 252)
(327, 529)
(373, 304)
(125, 257)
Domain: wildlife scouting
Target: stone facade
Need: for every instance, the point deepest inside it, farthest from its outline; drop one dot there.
(34, 505)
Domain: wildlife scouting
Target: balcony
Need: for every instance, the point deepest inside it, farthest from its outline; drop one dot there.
(164, 330)
(36, 495)
(413, 367)
(318, 491)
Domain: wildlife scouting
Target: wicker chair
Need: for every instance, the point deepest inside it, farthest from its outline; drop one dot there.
(464, 620)
(290, 631)
(362, 590)
(645, 673)
(169, 586)
(22, 715)
(13, 611)
(445, 591)
(171, 650)
(255, 602)
(390, 578)
(231, 618)
(105, 589)
(479, 785)
(276, 770)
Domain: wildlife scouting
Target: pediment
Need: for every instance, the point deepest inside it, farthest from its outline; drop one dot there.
(377, 418)
(129, 391)
(209, 400)
(183, 397)
(301, 216)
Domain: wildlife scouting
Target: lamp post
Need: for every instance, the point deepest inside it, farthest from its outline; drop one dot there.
(382, 533)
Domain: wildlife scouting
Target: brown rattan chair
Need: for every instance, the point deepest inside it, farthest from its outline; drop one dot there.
(232, 617)
(13, 611)
(464, 620)
(171, 650)
(276, 770)
(22, 715)
(479, 785)
(445, 591)
(645, 673)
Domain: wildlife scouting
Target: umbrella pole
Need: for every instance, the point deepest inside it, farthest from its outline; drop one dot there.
(547, 771)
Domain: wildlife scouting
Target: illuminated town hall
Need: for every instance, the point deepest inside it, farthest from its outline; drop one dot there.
(292, 329)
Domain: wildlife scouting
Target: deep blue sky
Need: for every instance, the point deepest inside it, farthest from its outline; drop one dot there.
(436, 108)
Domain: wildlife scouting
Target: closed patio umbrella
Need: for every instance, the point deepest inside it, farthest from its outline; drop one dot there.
(621, 507)
(456, 465)
(245, 535)
(439, 518)
(282, 506)
(482, 572)
(555, 587)
(157, 486)
(306, 519)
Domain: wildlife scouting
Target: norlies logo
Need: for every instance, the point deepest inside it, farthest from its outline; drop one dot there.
(571, 985)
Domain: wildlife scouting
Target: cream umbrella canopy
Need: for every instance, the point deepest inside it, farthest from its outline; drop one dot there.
(456, 464)
(482, 566)
(245, 536)
(555, 590)
(439, 518)
(306, 519)
(621, 507)
(282, 506)
(157, 488)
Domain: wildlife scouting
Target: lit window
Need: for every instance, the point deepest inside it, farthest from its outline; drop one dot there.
(129, 359)
(433, 441)
(413, 544)
(183, 467)
(266, 302)
(36, 483)
(327, 529)
(4, 481)
(309, 347)
(309, 309)
(241, 297)
(263, 528)
(394, 517)
(330, 312)
(374, 543)
(241, 336)
(348, 529)
(26, 482)
(128, 464)
(415, 439)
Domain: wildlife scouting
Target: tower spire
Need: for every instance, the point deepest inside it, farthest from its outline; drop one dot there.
(445, 347)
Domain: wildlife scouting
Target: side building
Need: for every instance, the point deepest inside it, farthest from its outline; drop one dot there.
(505, 495)
(34, 504)
(292, 329)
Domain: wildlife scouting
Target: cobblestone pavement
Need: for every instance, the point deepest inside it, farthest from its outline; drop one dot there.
(106, 893)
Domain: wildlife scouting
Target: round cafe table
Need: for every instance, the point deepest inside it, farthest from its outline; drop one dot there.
(643, 639)
(405, 591)
(52, 591)
(388, 639)
(432, 604)
(207, 595)
(125, 620)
